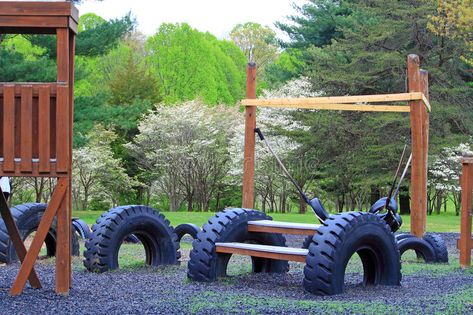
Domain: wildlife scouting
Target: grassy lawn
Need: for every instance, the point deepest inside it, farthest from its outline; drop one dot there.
(445, 222)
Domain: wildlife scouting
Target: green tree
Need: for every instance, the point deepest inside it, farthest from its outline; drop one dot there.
(257, 42)
(189, 64)
(89, 21)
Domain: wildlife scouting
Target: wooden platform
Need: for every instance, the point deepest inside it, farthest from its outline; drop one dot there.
(270, 226)
(264, 251)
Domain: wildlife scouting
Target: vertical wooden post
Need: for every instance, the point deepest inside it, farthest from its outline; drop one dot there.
(250, 125)
(418, 209)
(63, 244)
(425, 142)
(465, 243)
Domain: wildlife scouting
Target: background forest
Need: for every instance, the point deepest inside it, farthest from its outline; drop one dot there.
(158, 121)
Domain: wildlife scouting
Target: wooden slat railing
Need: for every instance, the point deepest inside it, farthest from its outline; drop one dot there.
(33, 138)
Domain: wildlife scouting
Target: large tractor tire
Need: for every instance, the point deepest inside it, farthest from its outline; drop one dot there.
(187, 229)
(440, 248)
(27, 218)
(231, 225)
(147, 224)
(82, 228)
(421, 247)
(339, 238)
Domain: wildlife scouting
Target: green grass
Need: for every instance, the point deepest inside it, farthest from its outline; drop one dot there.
(445, 222)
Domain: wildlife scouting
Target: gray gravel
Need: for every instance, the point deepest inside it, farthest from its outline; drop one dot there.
(166, 290)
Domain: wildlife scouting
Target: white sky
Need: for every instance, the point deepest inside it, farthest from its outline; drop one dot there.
(215, 16)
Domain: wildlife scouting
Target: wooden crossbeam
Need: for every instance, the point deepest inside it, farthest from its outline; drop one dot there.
(42, 231)
(344, 103)
(16, 239)
(263, 251)
(270, 226)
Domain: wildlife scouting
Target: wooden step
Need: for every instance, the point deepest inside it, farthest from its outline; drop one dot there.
(264, 251)
(270, 226)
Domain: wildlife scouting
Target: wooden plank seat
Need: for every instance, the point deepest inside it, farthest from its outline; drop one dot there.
(264, 251)
(269, 226)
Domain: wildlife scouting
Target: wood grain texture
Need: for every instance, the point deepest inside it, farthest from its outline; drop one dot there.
(418, 208)
(249, 150)
(465, 242)
(263, 251)
(26, 130)
(44, 129)
(8, 164)
(42, 231)
(16, 239)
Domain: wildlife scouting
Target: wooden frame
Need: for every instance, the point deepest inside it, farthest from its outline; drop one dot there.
(417, 106)
(36, 134)
(465, 243)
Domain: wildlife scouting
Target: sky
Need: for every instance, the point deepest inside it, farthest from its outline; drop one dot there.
(215, 16)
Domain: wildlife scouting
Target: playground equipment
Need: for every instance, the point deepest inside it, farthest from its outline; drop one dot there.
(252, 233)
(465, 243)
(28, 217)
(134, 224)
(36, 134)
(113, 227)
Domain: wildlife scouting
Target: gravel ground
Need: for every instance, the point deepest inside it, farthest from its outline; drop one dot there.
(425, 289)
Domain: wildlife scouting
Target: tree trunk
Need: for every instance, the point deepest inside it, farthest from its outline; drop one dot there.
(375, 194)
(302, 205)
(404, 201)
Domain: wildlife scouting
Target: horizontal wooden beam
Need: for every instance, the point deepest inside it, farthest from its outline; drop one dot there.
(263, 251)
(269, 226)
(35, 86)
(344, 103)
(346, 107)
(336, 99)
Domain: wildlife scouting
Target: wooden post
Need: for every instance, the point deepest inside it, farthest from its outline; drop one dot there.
(465, 243)
(418, 207)
(249, 155)
(425, 143)
(63, 244)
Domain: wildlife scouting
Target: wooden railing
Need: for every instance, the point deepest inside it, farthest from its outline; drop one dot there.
(33, 138)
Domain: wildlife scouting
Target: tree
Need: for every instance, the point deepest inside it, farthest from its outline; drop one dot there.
(97, 174)
(444, 176)
(257, 42)
(454, 19)
(189, 64)
(184, 150)
(90, 21)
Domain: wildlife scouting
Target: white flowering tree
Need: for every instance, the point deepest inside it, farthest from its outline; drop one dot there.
(271, 186)
(184, 151)
(97, 174)
(444, 177)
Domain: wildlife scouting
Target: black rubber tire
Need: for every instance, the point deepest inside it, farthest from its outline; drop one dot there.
(82, 228)
(231, 225)
(147, 224)
(402, 236)
(27, 217)
(187, 229)
(440, 248)
(421, 247)
(307, 241)
(336, 241)
(132, 239)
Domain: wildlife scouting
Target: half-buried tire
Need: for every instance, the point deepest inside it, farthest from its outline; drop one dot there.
(338, 239)
(187, 229)
(231, 225)
(82, 228)
(27, 217)
(421, 247)
(147, 224)
(439, 246)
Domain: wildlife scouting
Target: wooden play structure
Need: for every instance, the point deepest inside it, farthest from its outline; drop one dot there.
(418, 106)
(36, 133)
(250, 232)
(465, 243)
